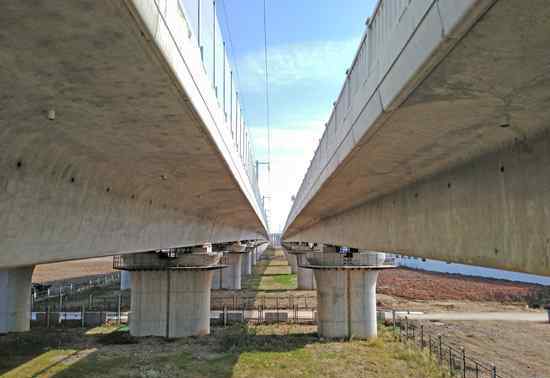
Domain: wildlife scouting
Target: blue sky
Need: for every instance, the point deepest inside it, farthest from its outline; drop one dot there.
(310, 46)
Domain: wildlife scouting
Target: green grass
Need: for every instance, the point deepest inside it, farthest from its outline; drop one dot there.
(241, 351)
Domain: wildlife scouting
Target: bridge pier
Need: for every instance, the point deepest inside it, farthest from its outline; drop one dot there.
(125, 280)
(246, 267)
(346, 294)
(171, 296)
(15, 299)
(231, 276)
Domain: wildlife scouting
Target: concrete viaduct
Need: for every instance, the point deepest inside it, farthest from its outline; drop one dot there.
(438, 145)
(121, 132)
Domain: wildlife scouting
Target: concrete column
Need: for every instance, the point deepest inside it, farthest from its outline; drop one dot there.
(292, 261)
(304, 276)
(254, 255)
(346, 302)
(217, 279)
(125, 279)
(261, 249)
(231, 276)
(247, 263)
(15, 299)
(171, 303)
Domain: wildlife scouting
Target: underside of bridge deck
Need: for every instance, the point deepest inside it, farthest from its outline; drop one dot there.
(105, 149)
(456, 168)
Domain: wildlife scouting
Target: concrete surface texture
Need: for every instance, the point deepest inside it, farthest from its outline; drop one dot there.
(99, 91)
(248, 263)
(292, 262)
(170, 303)
(125, 280)
(440, 138)
(15, 299)
(304, 276)
(231, 276)
(346, 302)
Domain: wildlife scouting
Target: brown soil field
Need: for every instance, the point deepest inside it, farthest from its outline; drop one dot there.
(422, 285)
(72, 269)
(519, 349)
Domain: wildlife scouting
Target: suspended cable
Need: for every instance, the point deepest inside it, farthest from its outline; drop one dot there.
(267, 112)
(267, 90)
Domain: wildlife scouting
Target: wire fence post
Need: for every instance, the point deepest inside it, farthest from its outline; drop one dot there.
(422, 336)
(463, 363)
(430, 344)
(48, 316)
(82, 316)
(493, 371)
(440, 349)
(119, 305)
(406, 329)
(393, 320)
(451, 361)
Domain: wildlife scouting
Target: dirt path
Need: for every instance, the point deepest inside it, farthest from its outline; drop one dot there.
(540, 316)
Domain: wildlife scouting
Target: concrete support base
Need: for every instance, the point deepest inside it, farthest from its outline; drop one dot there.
(173, 303)
(15, 299)
(305, 279)
(346, 302)
(230, 277)
(292, 262)
(246, 263)
(254, 255)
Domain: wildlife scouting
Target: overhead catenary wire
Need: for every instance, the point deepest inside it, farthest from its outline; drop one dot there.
(267, 111)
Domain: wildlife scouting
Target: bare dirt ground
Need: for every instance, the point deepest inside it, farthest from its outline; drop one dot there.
(518, 349)
(422, 285)
(72, 269)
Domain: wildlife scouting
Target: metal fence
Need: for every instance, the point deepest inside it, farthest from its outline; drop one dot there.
(455, 359)
(69, 287)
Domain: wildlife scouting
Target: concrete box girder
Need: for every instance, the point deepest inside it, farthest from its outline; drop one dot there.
(135, 159)
(480, 97)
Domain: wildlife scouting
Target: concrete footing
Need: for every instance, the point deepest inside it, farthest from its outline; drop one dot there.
(171, 303)
(15, 299)
(346, 302)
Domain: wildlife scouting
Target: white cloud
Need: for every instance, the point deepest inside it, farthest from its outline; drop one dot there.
(292, 149)
(289, 64)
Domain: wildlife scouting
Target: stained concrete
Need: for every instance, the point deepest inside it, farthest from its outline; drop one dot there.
(138, 156)
(346, 302)
(170, 303)
(443, 145)
(231, 276)
(15, 299)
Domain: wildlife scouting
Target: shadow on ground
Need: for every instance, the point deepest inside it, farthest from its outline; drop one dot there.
(114, 353)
